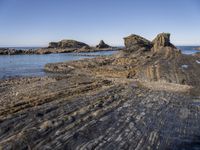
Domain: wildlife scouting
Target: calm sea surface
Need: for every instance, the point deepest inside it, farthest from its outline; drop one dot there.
(32, 65)
(188, 49)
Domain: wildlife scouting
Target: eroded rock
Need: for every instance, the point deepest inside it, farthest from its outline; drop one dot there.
(161, 40)
(102, 44)
(67, 44)
(136, 42)
(111, 102)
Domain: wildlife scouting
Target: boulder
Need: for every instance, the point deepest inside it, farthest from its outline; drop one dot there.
(102, 44)
(67, 44)
(136, 42)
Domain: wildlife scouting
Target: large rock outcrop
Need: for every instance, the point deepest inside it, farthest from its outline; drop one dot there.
(162, 40)
(102, 44)
(67, 44)
(158, 60)
(136, 42)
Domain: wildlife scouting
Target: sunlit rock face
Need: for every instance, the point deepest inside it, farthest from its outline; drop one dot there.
(161, 40)
(161, 61)
(102, 44)
(142, 59)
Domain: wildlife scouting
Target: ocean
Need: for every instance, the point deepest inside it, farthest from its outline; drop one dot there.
(32, 65)
(188, 49)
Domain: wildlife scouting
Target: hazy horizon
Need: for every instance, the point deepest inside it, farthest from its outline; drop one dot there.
(28, 23)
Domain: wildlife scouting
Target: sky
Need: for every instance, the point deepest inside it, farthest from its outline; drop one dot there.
(37, 22)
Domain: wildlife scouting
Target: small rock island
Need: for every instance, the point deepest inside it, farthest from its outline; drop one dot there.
(63, 46)
(198, 48)
(144, 97)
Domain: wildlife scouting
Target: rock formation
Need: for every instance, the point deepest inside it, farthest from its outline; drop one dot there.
(7, 51)
(135, 42)
(158, 60)
(127, 101)
(102, 44)
(53, 45)
(67, 44)
(163, 62)
(162, 40)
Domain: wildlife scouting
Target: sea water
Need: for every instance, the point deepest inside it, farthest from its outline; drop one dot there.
(33, 65)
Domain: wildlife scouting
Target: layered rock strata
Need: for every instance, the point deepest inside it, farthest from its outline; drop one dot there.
(127, 101)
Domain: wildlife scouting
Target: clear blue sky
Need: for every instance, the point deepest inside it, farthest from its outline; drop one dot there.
(36, 22)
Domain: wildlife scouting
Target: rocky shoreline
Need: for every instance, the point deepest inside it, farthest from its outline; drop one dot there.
(144, 97)
(64, 46)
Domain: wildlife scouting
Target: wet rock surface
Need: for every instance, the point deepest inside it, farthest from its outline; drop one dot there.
(136, 99)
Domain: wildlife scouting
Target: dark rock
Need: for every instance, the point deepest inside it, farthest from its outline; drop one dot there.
(53, 45)
(136, 42)
(7, 51)
(102, 44)
(67, 44)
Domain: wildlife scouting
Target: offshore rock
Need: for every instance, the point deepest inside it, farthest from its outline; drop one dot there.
(67, 44)
(7, 51)
(102, 44)
(53, 45)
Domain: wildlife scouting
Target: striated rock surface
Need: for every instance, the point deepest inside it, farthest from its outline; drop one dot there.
(162, 62)
(81, 111)
(102, 44)
(127, 101)
(162, 40)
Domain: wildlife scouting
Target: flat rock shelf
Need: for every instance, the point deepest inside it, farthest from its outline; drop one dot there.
(77, 112)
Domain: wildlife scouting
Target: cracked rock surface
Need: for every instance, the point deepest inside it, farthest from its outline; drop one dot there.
(95, 113)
